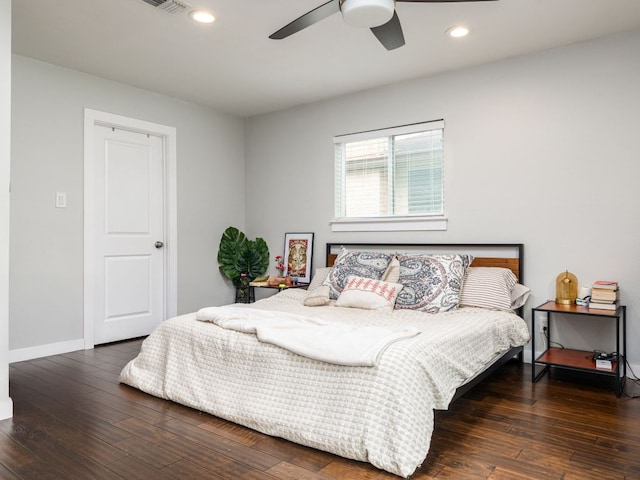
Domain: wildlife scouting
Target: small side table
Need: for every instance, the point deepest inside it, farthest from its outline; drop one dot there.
(282, 287)
(579, 360)
(254, 285)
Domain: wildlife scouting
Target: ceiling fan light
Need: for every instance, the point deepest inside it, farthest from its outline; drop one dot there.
(367, 13)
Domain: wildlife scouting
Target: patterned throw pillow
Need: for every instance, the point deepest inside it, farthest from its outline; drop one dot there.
(488, 287)
(369, 294)
(432, 283)
(360, 264)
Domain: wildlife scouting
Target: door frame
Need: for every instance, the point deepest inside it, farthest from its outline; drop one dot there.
(168, 134)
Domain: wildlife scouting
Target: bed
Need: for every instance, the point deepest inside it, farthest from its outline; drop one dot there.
(373, 403)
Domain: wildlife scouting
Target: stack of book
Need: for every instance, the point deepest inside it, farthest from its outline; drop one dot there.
(605, 295)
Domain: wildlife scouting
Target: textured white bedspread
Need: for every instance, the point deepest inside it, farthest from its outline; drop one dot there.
(382, 414)
(352, 345)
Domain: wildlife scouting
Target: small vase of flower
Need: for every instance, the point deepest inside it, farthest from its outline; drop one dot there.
(280, 265)
(280, 278)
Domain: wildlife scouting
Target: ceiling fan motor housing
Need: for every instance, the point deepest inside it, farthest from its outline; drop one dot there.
(367, 13)
(377, 15)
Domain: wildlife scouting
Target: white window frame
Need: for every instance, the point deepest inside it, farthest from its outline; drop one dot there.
(387, 223)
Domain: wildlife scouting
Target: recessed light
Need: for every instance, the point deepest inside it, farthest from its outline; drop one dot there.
(457, 32)
(201, 16)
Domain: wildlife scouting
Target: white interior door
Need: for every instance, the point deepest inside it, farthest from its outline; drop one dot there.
(129, 253)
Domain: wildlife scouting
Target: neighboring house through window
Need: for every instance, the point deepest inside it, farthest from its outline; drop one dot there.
(390, 179)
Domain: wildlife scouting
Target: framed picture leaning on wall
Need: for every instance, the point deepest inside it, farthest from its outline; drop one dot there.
(298, 253)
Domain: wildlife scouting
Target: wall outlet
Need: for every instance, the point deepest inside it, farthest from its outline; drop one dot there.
(543, 324)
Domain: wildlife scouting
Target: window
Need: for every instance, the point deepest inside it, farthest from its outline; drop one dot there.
(390, 174)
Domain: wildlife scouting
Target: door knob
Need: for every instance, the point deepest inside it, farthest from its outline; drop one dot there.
(159, 244)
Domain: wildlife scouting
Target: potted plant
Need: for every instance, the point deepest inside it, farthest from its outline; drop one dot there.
(242, 260)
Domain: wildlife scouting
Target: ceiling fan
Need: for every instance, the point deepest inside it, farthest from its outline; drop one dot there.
(378, 15)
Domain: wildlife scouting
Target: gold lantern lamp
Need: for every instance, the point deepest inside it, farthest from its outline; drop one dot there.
(566, 288)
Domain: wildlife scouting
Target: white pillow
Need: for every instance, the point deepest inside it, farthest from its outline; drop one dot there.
(519, 296)
(319, 277)
(488, 287)
(392, 273)
(369, 294)
(317, 297)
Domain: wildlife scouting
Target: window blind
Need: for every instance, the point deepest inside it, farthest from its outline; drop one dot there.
(391, 172)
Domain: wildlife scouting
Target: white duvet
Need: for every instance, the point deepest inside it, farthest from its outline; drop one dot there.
(381, 414)
(351, 345)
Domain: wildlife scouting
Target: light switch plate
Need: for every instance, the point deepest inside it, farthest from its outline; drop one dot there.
(61, 200)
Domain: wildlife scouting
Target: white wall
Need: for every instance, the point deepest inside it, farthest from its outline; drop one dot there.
(46, 298)
(540, 149)
(6, 409)
(536, 146)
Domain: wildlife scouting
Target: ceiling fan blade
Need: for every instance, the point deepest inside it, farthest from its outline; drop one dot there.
(390, 34)
(308, 19)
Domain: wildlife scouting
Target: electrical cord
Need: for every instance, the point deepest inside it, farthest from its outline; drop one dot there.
(550, 343)
(601, 355)
(634, 379)
(597, 355)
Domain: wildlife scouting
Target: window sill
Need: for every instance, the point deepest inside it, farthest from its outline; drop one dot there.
(399, 224)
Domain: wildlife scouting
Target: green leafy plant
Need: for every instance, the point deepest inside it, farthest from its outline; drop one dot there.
(237, 254)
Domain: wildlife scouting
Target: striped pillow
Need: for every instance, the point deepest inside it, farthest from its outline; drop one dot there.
(488, 287)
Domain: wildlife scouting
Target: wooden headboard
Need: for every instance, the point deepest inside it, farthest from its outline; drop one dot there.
(507, 255)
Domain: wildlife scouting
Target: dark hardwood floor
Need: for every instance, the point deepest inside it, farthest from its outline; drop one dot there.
(73, 420)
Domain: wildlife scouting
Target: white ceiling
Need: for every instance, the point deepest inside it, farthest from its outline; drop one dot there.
(232, 65)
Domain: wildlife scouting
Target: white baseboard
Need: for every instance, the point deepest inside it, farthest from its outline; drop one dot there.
(6, 409)
(29, 353)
